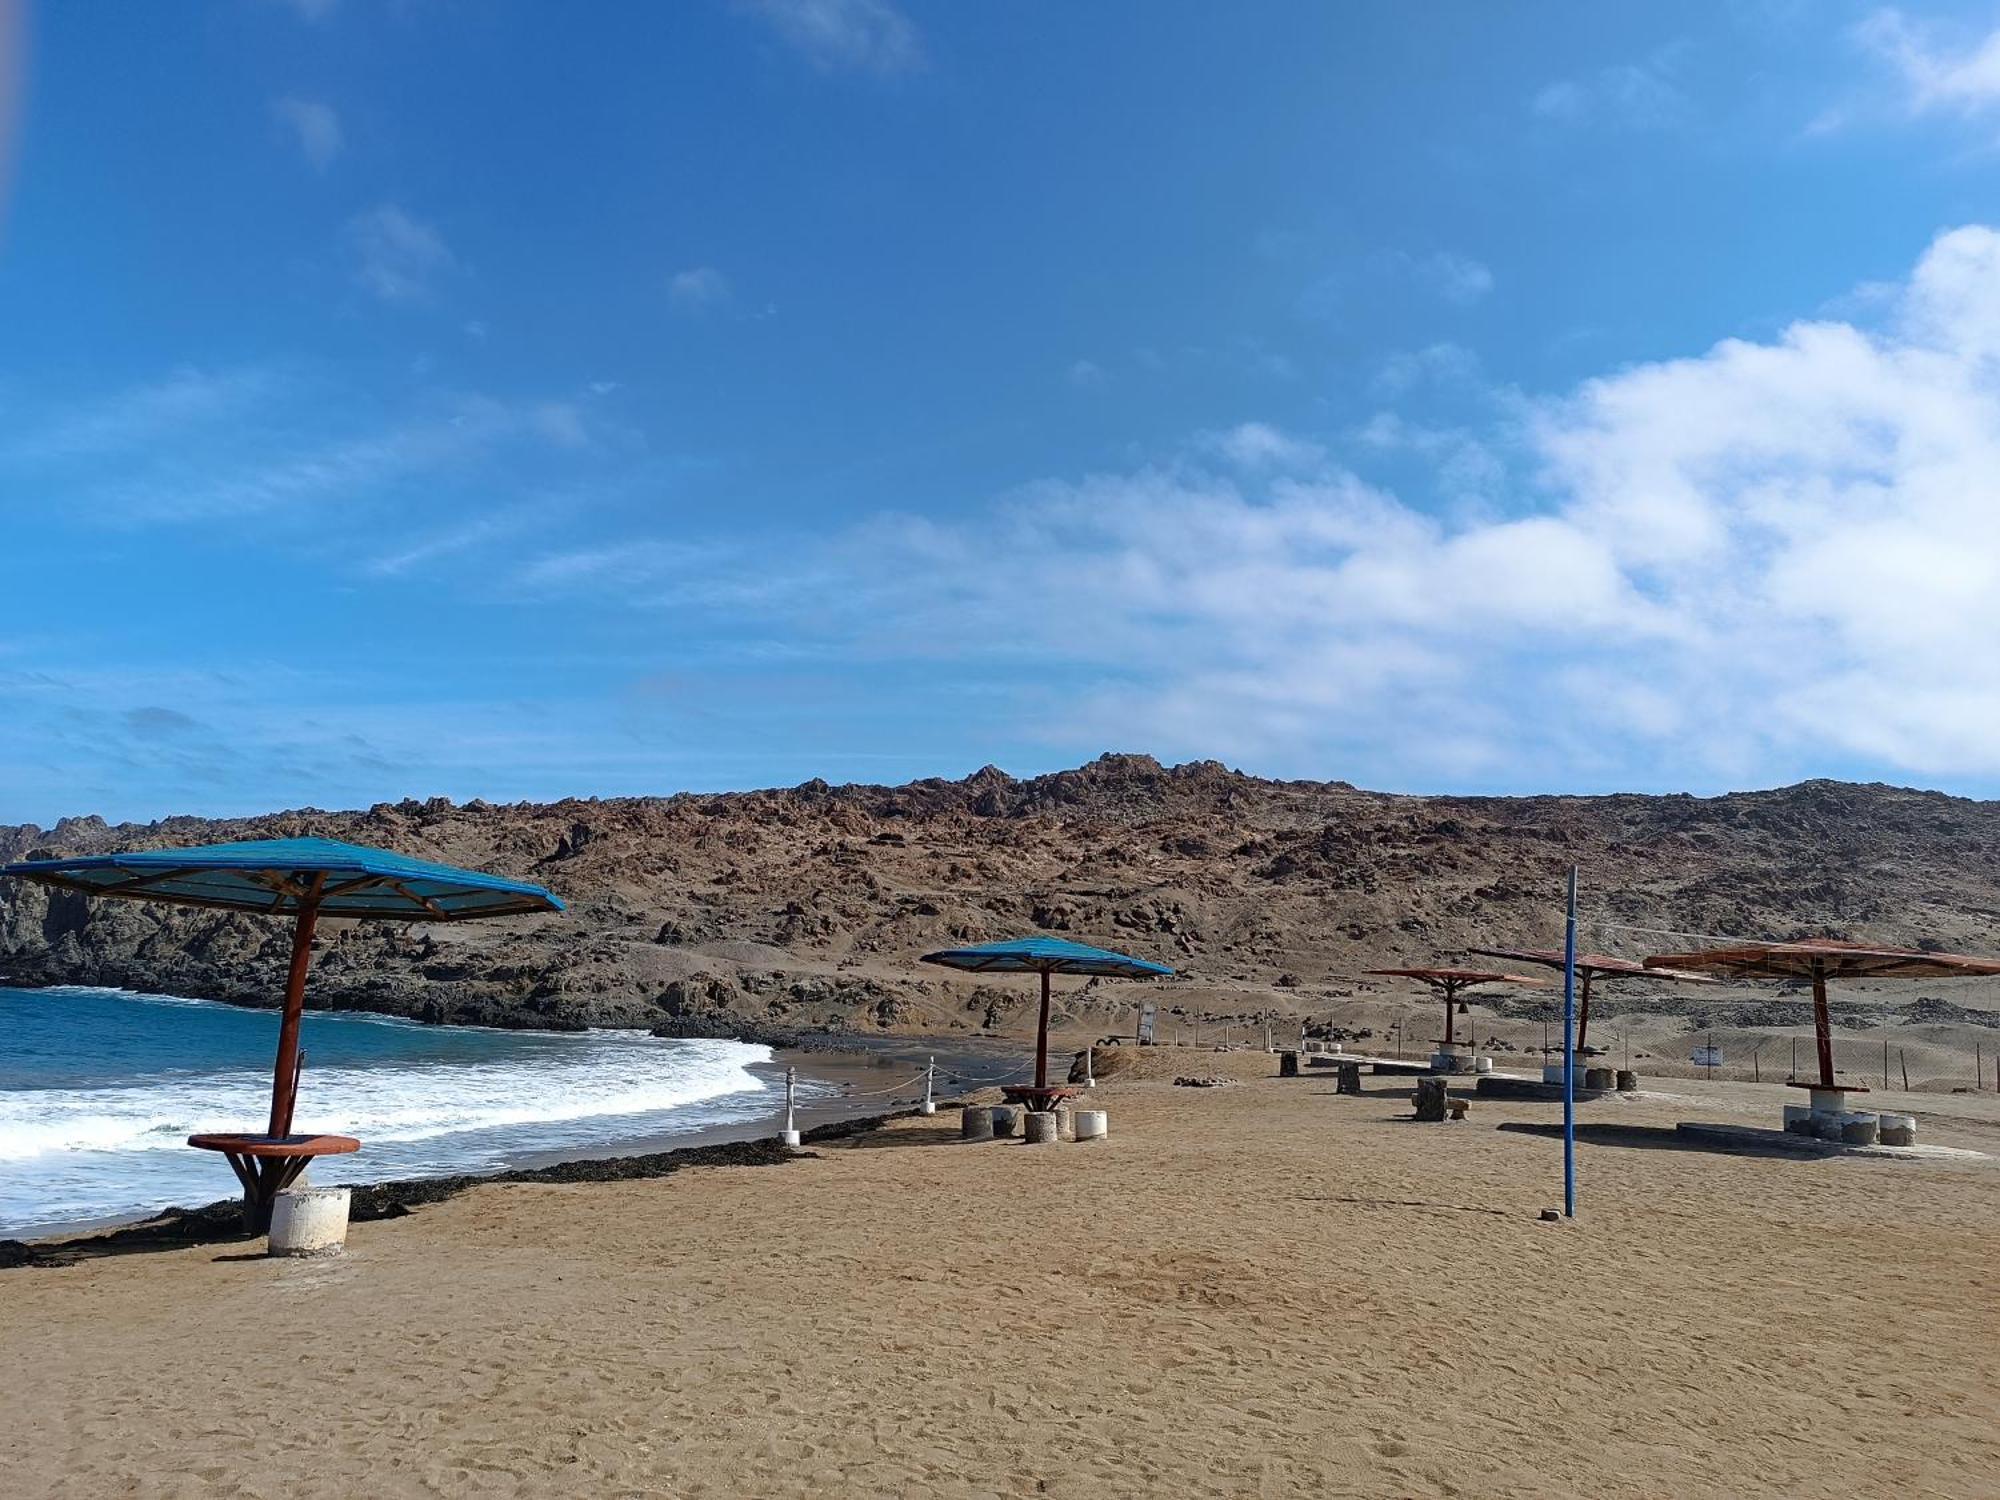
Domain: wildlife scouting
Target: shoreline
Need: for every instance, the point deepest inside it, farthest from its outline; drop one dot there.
(877, 1079)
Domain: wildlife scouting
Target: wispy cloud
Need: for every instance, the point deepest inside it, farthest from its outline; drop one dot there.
(397, 257)
(697, 289)
(1457, 278)
(1642, 96)
(1442, 364)
(1958, 74)
(202, 446)
(870, 36)
(1448, 274)
(1259, 446)
(314, 125)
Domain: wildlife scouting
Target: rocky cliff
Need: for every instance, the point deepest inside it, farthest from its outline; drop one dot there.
(806, 908)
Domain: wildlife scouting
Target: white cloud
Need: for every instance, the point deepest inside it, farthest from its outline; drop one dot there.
(1759, 560)
(316, 127)
(860, 35)
(1086, 374)
(1964, 79)
(697, 289)
(397, 257)
(1641, 96)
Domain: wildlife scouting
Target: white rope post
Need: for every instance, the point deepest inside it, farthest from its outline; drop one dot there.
(1090, 1066)
(930, 1068)
(791, 1100)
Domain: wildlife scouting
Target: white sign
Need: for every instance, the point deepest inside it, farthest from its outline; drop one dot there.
(1147, 1013)
(1707, 1057)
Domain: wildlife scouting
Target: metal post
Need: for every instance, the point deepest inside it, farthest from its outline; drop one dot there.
(285, 1073)
(791, 1099)
(930, 1073)
(1569, 1053)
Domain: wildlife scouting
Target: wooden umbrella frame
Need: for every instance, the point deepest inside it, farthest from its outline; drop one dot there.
(1819, 960)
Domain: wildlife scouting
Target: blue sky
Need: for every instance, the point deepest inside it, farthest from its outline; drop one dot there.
(512, 400)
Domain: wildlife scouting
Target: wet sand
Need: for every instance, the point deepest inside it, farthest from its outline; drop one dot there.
(1257, 1289)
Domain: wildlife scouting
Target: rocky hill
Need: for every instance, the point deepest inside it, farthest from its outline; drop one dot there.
(807, 908)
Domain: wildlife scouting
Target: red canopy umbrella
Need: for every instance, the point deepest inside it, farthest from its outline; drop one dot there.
(1821, 959)
(1589, 966)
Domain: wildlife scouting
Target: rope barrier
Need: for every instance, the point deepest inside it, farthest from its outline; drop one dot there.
(910, 1082)
(1006, 1077)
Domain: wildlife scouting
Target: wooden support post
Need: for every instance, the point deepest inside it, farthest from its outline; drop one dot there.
(1822, 1027)
(1904, 1058)
(285, 1073)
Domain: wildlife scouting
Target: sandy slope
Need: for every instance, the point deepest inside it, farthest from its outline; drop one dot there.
(1262, 1289)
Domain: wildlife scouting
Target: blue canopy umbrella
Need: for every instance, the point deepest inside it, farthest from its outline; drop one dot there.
(303, 879)
(1046, 956)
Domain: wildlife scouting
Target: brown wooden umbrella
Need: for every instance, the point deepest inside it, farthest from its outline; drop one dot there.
(1449, 982)
(1589, 967)
(1821, 959)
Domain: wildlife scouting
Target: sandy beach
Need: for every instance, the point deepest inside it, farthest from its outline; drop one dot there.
(1260, 1289)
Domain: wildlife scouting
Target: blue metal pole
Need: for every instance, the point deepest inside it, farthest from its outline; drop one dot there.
(1569, 1053)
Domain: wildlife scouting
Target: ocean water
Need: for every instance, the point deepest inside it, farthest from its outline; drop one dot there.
(100, 1089)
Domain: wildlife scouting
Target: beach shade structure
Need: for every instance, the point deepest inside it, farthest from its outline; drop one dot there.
(1820, 960)
(1046, 956)
(1590, 967)
(1448, 985)
(304, 879)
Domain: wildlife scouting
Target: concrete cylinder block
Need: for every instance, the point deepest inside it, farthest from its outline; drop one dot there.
(1288, 1065)
(976, 1124)
(1600, 1078)
(1628, 1081)
(1859, 1129)
(1092, 1124)
(1041, 1127)
(1007, 1121)
(309, 1221)
(1897, 1130)
(1798, 1120)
